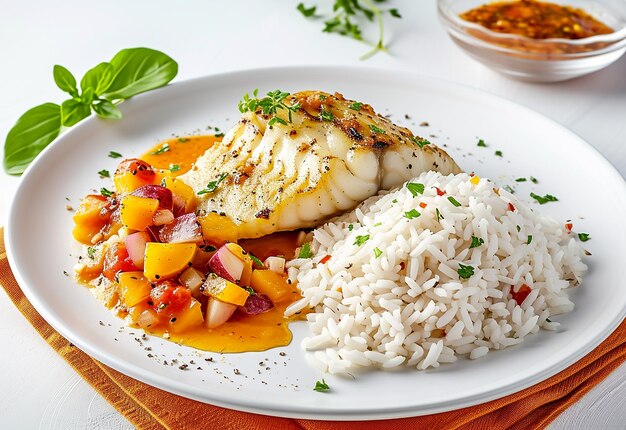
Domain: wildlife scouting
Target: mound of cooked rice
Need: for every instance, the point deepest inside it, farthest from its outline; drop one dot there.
(441, 267)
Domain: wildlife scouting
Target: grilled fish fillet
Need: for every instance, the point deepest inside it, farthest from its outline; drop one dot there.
(329, 156)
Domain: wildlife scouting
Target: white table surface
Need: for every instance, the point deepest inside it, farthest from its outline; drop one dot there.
(39, 390)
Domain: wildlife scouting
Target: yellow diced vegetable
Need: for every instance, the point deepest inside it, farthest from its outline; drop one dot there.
(165, 260)
(270, 283)
(187, 318)
(137, 212)
(133, 288)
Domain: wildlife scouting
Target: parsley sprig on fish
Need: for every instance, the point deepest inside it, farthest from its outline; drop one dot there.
(269, 105)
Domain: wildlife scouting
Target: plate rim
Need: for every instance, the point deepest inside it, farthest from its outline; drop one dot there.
(302, 411)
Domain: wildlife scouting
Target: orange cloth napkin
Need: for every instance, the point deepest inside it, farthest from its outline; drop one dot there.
(152, 409)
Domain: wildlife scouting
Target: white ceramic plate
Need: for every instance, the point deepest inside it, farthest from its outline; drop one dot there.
(590, 192)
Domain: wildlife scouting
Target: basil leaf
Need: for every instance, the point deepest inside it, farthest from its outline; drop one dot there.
(64, 80)
(137, 70)
(87, 96)
(32, 132)
(72, 111)
(106, 109)
(99, 78)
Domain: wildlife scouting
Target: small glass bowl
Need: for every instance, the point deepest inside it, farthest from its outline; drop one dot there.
(539, 60)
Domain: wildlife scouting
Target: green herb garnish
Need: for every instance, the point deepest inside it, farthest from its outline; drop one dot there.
(584, 237)
(113, 154)
(376, 130)
(439, 216)
(104, 173)
(481, 143)
(356, 106)
(321, 386)
(465, 272)
(542, 200)
(498, 153)
(105, 192)
(518, 228)
(326, 115)
(174, 168)
(377, 252)
(412, 214)
(533, 180)
(350, 227)
(454, 201)
(269, 105)
(306, 11)
(415, 188)
(161, 150)
(520, 180)
(420, 141)
(360, 240)
(212, 186)
(529, 240)
(348, 15)
(250, 291)
(91, 252)
(256, 260)
(305, 251)
(219, 134)
(394, 201)
(183, 139)
(509, 189)
(130, 72)
(476, 242)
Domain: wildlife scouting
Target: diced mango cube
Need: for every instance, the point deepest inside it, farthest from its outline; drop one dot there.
(181, 189)
(187, 318)
(217, 229)
(134, 288)
(270, 283)
(224, 290)
(165, 260)
(137, 212)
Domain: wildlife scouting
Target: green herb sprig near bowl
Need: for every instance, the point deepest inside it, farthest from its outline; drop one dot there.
(348, 16)
(130, 72)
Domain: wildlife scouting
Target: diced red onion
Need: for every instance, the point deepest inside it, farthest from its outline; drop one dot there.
(257, 304)
(162, 217)
(136, 247)
(217, 312)
(147, 319)
(162, 194)
(179, 205)
(185, 228)
(226, 265)
(275, 264)
(192, 279)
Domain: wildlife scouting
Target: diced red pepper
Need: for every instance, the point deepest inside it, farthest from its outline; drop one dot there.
(169, 298)
(521, 294)
(117, 260)
(511, 207)
(439, 191)
(325, 259)
(138, 168)
(423, 205)
(569, 227)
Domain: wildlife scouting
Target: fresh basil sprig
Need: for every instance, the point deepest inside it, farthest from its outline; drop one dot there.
(130, 72)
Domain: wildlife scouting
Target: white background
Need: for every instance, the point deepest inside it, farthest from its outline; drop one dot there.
(39, 390)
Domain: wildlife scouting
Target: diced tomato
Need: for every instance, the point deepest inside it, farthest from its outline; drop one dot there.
(521, 294)
(117, 260)
(138, 168)
(423, 205)
(169, 298)
(569, 227)
(325, 259)
(511, 207)
(439, 191)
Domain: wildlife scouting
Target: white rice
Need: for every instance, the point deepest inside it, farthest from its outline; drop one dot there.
(410, 306)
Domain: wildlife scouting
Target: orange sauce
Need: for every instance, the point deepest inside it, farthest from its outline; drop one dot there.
(242, 333)
(536, 20)
(181, 152)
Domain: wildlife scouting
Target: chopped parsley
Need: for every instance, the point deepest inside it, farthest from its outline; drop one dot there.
(377, 224)
(377, 252)
(219, 134)
(394, 201)
(321, 386)
(212, 186)
(91, 252)
(256, 260)
(415, 188)
(305, 251)
(412, 214)
(520, 180)
(356, 106)
(481, 143)
(542, 200)
(360, 240)
(518, 228)
(250, 291)
(498, 153)
(306, 11)
(533, 180)
(509, 189)
(584, 237)
(161, 150)
(420, 141)
(114, 154)
(476, 242)
(104, 173)
(105, 192)
(454, 201)
(174, 167)
(350, 227)
(439, 216)
(326, 115)
(376, 129)
(465, 272)
(529, 240)
(183, 139)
